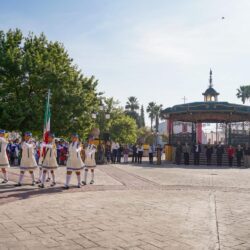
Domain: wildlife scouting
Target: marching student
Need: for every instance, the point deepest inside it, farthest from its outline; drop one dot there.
(4, 162)
(90, 162)
(49, 160)
(74, 162)
(28, 161)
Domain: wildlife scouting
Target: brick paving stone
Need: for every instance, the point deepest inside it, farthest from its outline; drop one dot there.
(131, 207)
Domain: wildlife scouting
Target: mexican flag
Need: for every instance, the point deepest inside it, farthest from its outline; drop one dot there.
(47, 115)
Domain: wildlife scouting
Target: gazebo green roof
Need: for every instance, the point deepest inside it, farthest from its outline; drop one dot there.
(208, 112)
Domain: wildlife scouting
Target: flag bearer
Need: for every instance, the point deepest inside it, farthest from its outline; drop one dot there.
(74, 162)
(4, 161)
(49, 162)
(28, 161)
(90, 162)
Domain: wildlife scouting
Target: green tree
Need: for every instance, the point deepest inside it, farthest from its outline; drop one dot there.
(29, 66)
(123, 129)
(243, 93)
(151, 113)
(142, 117)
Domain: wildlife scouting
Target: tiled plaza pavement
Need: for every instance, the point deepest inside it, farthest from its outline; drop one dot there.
(131, 207)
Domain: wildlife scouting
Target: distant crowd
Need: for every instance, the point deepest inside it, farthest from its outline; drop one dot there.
(110, 152)
(240, 153)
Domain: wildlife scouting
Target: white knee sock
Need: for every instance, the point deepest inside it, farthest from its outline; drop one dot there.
(92, 175)
(53, 177)
(78, 179)
(85, 176)
(5, 176)
(21, 178)
(43, 177)
(32, 176)
(68, 177)
(40, 174)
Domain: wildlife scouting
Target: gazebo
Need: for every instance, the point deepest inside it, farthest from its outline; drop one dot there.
(209, 111)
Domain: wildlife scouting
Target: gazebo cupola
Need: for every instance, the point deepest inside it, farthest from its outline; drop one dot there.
(210, 95)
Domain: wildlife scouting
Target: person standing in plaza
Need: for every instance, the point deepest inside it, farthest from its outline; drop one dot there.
(239, 155)
(219, 153)
(74, 162)
(178, 153)
(119, 152)
(140, 153)
(125, 154)
(28, 161)
(197, 151)
(246, 157)
(108, 152)
(49, 160)
(186, 153)
(209, 153)
(4, 161)
(134, 155)
(114, 152)
(151, 154)
(158, 154)
(90, 163)
(230, 154)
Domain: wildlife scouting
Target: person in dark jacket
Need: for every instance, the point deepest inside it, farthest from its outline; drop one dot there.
(209, 152)
(219, 153)
(119, 154)
(239, 155)
(246, 156)
(186, 152)
(140, 151)
(197, 151)
(135, 155)
(178, 153)
(151, 154)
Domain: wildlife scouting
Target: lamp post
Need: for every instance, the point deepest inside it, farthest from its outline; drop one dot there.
(212, 133)
(101, 116)
(155, 137)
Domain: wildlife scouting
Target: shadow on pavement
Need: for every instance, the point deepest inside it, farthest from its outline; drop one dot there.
(172, 165)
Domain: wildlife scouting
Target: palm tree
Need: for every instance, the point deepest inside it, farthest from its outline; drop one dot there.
(243, 93)
(158, 111)
(132, 104)
(151, 113)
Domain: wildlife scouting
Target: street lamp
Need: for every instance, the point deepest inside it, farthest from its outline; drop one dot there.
(101, 116)
(101, 106)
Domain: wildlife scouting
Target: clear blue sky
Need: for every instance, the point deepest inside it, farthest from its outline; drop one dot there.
(157, 50)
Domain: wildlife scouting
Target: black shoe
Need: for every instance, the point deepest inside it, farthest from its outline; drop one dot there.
(48, 179)
(65, 187)
(84, 183)
(92, 182)
(38, 182)
(5, 181)
(18, 185)
(41, 186)
(79, 186)
(33, 183)
(53, 184)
